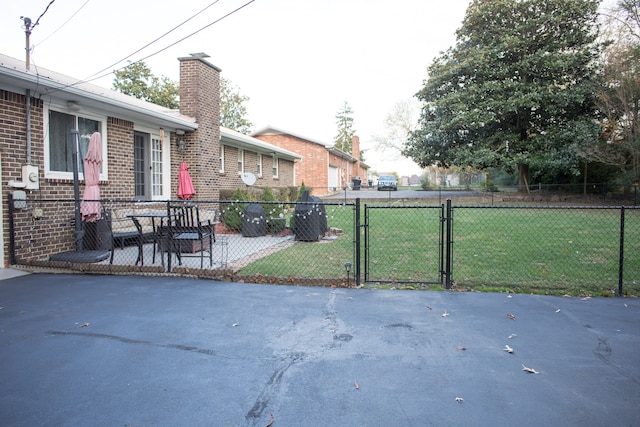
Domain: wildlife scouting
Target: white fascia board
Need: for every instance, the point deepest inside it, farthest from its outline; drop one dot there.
(49, 84)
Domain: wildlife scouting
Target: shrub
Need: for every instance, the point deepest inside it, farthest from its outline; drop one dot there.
(274, 212)
(232, 214)
(490, 186)
(424, 182)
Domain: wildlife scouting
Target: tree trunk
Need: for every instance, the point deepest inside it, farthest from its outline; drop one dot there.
(523, 178)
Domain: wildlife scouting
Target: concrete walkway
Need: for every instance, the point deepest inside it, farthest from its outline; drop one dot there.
(80, 350)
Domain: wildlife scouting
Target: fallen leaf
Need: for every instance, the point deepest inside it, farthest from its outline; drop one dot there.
(509, 296)
(356, 385)
(459, 347)
(511, 316)
(530, 370)
(459, 399)
(626, 305)
(585, 299)
(508, 349)
(512, 336)
(84, 325)
(271, 420)
(558, 311)
(235, 324)
(445, 314)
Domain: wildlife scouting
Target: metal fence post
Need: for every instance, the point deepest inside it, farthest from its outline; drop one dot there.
(12, 240)
(621, 263)
(357, 242)
(448, 249)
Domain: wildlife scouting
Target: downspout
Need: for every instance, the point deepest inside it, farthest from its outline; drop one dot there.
(28, 107)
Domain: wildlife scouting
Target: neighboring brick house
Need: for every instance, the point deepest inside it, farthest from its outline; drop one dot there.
(323, 168)
(141, 146)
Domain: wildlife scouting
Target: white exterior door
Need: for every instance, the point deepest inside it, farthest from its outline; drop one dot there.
(333, 178)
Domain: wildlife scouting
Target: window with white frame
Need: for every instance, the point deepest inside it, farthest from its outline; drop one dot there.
(149, 165)
(221, 158)
(156, 167)
(259, 165)
(59, 143)
(275, 166)
(240, 160)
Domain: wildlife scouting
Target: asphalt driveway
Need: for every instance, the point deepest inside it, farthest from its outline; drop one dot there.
(80, 350)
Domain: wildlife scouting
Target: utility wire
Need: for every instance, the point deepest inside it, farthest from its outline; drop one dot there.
(45, 11)
(65, 23)
(150, 43)
(92, 78)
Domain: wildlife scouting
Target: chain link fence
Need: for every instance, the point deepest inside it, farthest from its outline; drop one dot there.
(274, 242)
(543, 249)
(547, 250)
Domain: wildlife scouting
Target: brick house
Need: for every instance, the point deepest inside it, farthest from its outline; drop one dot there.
(323, 167)
(143, 143)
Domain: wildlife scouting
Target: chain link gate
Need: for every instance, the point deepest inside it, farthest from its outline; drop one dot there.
(404, 244)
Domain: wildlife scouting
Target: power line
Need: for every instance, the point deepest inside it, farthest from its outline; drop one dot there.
(65, 23)
(40, 17)
(92, 78)
(150, 43)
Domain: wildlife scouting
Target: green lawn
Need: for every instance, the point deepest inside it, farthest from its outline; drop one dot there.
(557, 251)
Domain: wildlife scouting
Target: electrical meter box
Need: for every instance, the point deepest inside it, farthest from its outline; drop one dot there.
(30, 177)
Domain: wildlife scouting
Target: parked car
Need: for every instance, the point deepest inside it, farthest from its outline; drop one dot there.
(387, 182)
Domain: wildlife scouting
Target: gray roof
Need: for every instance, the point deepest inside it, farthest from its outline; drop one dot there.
(48, 84)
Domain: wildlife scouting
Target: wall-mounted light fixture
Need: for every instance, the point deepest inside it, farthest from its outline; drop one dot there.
(347, 267)
(180, 142)
(73, 106)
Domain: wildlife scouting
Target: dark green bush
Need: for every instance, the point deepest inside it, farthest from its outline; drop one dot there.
(232, 213)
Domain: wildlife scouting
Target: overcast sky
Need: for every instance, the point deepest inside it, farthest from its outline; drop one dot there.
(297, 60)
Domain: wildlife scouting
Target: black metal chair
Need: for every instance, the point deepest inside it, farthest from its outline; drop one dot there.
(137, 236)
(187, 236)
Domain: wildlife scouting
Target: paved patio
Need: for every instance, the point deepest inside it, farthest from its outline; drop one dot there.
(232, 251)
(167, 351)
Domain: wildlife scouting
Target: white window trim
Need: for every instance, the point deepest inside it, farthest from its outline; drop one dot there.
(48, 173)
(259, 165)
(222, 158)
(154, 133)
(275, 167)
(240, 160)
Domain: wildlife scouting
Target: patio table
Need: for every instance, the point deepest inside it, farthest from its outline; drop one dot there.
(157, 232)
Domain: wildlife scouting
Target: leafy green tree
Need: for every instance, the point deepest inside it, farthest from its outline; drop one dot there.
(516, 90)
(344, 120)
(233, 113)
(137, 80)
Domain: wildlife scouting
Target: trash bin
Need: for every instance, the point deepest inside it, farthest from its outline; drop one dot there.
(356, 182)
(97, 235)
(310, 218)
(254, 221)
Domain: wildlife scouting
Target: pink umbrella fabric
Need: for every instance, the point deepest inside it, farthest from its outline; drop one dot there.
(185, 185)
(90, 210)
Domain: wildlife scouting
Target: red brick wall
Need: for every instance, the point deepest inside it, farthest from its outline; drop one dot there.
(200, 98)
(36, 238)
(231, 178)
(313, 169)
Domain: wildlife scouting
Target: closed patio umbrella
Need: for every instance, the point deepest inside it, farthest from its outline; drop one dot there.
(90, 207)
(185, 186)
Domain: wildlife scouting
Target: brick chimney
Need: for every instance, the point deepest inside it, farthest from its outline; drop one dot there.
(355, 152)
(200, 98)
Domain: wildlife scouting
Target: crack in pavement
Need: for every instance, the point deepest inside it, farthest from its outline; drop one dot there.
(302, 341)
(183, 347)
